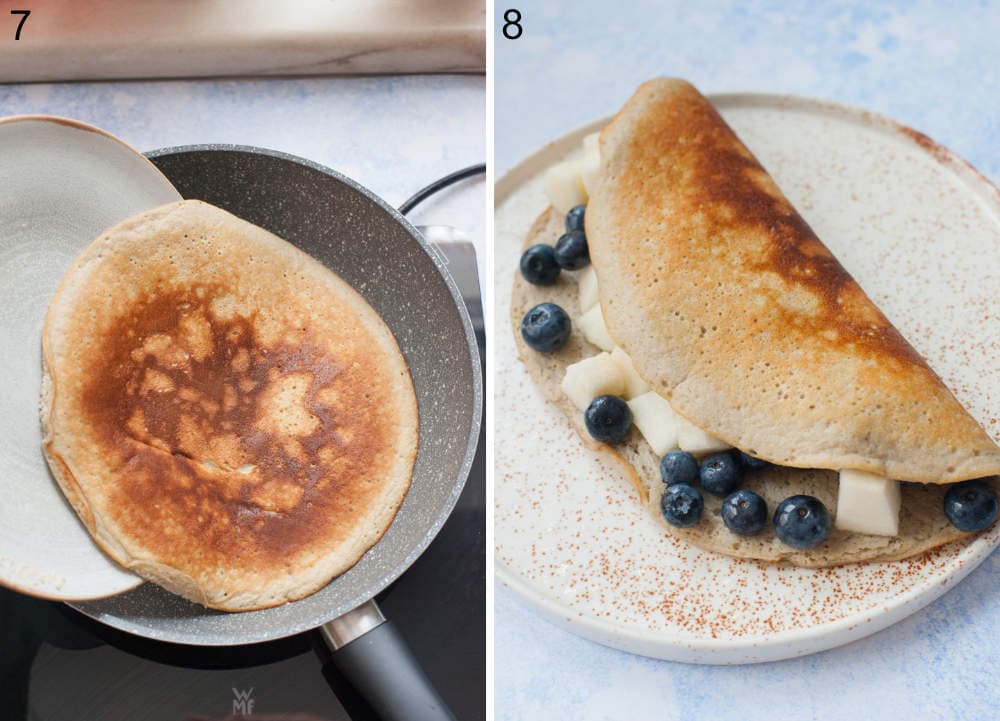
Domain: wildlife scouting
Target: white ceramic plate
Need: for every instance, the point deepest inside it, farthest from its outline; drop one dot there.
(61, 184)
(920, 230)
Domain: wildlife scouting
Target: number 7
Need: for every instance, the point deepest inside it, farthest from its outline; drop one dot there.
(25, 14)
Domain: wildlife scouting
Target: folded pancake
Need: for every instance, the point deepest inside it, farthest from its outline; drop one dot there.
(228, 417)
(729, 304)
(731, 308)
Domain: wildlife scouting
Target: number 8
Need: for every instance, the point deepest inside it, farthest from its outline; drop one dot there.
(512, 29)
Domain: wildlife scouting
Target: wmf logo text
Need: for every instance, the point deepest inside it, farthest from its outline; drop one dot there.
(242, 702)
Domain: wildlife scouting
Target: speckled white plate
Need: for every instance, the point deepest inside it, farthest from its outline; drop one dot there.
(920, 230)
(61, 183)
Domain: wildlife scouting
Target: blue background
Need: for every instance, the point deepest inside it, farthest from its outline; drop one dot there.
(931, 65)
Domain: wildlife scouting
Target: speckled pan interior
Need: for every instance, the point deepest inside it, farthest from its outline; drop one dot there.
(374, 249)
(920, 231)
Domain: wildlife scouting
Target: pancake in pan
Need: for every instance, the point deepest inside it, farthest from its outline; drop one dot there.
(228, 417)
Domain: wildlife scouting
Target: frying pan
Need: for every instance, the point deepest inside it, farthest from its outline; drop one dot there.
(377, 251)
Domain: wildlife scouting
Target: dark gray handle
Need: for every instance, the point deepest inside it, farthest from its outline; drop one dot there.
(381, 667)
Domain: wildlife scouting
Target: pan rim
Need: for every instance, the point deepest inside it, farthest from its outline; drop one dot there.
(471, 442)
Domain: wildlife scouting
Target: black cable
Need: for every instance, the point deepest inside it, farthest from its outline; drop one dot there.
(439, 185)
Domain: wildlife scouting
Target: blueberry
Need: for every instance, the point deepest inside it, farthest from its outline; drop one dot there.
(752, 464)
(539, 265)
(971, 505)
(720, 473)
(546, 327)
(574, 218)
(678, 467)
(571, 251)
(682, 505)
(744, 513)
(801, 521)
(608, 418)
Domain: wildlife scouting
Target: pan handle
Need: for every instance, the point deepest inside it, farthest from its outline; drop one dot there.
(374, 658)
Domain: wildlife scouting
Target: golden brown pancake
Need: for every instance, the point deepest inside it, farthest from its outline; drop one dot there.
(227, 416)
(730, 306)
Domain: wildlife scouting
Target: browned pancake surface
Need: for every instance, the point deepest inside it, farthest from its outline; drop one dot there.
(730, 305)
(190, 399)
(238, 420)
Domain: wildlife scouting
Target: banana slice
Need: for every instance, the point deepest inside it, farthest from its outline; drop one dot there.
(591, 324)
(867, 503)
(587, 286)
(596, 376)
(564, 187)
(634, 384)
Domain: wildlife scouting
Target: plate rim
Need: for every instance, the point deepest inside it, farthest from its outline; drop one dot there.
(793, 643)
(82, 125)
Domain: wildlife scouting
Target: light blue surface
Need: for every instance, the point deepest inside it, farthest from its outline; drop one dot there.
(391, 134)
(934, 66)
